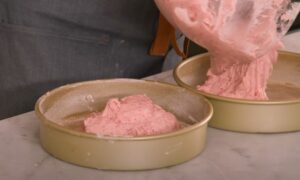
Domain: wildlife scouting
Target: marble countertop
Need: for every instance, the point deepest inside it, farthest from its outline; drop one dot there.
(227, 156)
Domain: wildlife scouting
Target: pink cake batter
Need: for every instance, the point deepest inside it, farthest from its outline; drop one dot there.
(242, 37)
(134, 115)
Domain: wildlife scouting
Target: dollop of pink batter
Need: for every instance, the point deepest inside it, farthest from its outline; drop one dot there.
(242, 36)
(134, 115)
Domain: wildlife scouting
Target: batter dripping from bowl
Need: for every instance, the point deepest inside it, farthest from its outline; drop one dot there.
(242, 36)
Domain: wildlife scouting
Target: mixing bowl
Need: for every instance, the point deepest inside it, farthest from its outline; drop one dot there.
(61, 113)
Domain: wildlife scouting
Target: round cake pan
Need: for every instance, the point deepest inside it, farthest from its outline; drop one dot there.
(61, 113)
(281, 113)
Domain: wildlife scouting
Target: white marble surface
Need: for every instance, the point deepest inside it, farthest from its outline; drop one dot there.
(227, 156)
(292, 41)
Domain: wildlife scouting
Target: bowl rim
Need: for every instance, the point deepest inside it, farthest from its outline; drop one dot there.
(228, 99)
(56, 126)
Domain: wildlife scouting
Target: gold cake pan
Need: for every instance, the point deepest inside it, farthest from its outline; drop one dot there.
(61, 113)
(281, 113)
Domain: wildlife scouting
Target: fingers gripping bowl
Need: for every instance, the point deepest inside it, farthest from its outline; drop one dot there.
(281, 113)
(61, 113)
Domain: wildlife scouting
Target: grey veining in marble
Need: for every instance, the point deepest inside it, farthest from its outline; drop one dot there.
(227, 156)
